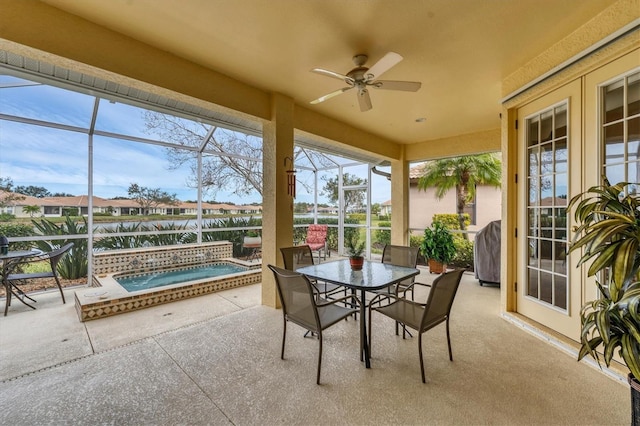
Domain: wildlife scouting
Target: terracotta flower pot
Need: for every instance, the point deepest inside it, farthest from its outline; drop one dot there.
(356, 263)
(436, 267)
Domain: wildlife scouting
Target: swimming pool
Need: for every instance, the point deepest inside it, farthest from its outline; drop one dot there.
(156, 279)
(107, 296)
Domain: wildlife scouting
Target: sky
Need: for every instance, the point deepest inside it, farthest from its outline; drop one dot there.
(58, 159)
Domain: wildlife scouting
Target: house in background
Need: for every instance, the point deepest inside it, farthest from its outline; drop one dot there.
(56, 207)
(423, 205)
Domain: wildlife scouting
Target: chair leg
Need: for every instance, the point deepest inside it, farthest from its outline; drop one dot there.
(7, 302)
(449, 342)
(420, 354)
(60, 288)
(284, 336)
(319, 357)
(370, 334)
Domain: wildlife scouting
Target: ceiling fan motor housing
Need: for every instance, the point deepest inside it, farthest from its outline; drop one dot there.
(357, 74)
(360, 59)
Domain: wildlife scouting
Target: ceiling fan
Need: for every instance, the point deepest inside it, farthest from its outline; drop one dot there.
(361, 77)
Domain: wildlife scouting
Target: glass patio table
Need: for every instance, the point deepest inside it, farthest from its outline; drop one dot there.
(373, 276)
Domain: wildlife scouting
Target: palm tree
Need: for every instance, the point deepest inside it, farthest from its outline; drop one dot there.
(463, 174)
(31, 210)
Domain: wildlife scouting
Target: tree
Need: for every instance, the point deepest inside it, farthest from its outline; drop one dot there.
(463, 174)
(148, 198)
(302, 207)
(33, 191)
(6, 184)
(235, 162)
(351, 198)
(31, 210)
(231, 160)
(7, 195)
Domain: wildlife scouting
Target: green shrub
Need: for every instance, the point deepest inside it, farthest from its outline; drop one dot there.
(416, 241)
(75, 264)
(382, 237)
(464, 254)
(359, 217)
(236, 236)
(70, 211)
(17, 230)
(6, 217)
(450, 220)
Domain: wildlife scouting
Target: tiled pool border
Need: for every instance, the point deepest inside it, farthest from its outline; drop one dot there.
(106, 297)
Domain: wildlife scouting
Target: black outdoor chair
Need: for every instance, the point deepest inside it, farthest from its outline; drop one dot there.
(423, 317)
(14, 280)
(301, 306)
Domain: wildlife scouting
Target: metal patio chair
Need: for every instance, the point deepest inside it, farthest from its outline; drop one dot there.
(301, 306)
(297, 256)
(317, 240)
(14, 280)
(423, 317)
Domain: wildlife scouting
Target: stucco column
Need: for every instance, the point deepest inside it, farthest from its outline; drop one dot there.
(400, 201)
(277, 212)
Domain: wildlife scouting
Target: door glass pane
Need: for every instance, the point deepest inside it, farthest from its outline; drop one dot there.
(533, 161)
(532, 285)
(614, 143)
(533, 253)
(534, 190)
(546, 287)
(633, 95)
(633, 140)
(613, 97)
(559, 290)
(560, 190)
(561, 122)
(621, 129)
(533, 133)
(546, 126)
(533, 222)
(547, 198)
(615, 173)
(561, 155)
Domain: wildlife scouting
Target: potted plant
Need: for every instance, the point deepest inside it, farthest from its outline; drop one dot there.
(608, 232)
(354, 251)
(438, 247)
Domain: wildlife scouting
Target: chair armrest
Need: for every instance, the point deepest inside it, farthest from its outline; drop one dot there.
(325, 302)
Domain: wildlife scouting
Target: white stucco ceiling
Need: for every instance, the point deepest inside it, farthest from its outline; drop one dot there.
(459, 49)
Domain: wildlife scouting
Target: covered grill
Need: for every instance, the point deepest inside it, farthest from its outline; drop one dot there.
(486, 254)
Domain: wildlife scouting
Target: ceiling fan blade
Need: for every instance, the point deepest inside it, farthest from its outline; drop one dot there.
(408, 86)
(333, 74)
(331, 95)
(364, 100)
(383, 65)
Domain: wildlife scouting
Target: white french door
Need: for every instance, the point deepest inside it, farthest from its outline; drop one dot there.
(549, 165)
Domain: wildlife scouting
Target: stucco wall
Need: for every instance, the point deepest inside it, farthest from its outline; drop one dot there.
(424, 204)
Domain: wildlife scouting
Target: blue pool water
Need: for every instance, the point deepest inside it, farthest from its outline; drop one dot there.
(164, 278)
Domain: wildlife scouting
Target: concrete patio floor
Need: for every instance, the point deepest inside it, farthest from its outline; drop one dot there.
(215, 359)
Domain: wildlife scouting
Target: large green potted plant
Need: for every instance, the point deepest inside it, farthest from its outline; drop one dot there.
(608, 232)
(438, 247)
